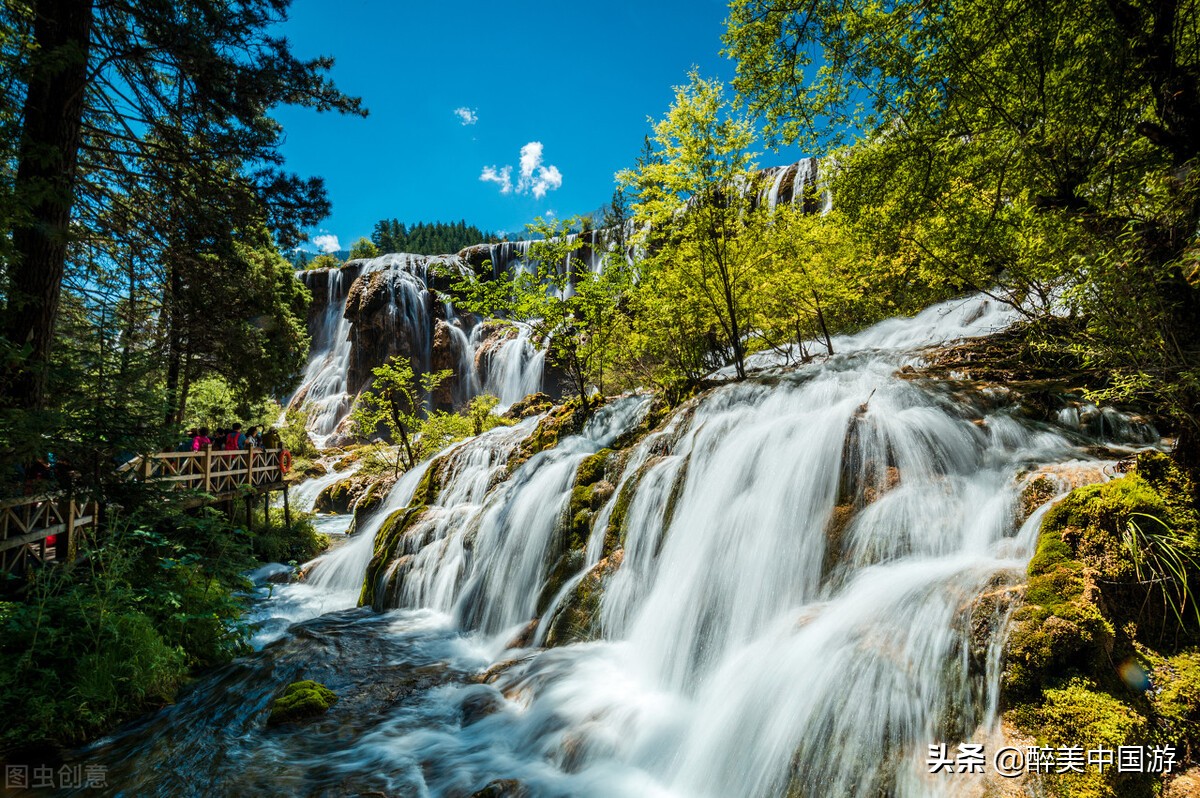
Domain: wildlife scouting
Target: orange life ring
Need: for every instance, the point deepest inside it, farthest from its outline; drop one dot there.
(285, 461)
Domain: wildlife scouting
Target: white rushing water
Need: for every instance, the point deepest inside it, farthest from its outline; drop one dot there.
(334, 580)
(513, 370)
(793, 610)
(792, 573)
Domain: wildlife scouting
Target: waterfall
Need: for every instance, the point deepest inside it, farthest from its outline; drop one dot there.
(514, 369)
(793, 608)
(342, 569)
(304, 495)
(334, 580)
(323, 388)
(791, 586)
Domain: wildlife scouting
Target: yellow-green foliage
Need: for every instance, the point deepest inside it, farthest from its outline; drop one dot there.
(1086, 611)
(301, 700)
(1080, 714)
(1177, 701)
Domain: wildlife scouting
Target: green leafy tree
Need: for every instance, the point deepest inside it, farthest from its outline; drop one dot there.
(395, 403)
(324, 261)
(576, 314)
(113, 91)
(1015, 150)
(696, 193)
(363, 248)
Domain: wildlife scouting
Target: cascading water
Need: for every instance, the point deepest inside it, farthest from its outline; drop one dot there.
(334, 580)
(323, 388)
(513, 370)
(791, 571)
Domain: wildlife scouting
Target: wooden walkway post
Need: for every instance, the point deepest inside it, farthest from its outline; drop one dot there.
(287, 511)
(208, 468)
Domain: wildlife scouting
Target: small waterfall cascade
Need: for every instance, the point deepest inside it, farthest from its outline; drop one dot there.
(342, 569)
(323, 386)
(510, 531)
(784, 588)
(513, 369)
(794, 573)
(385, 307)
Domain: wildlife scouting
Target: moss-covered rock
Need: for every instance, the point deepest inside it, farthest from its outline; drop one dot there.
(532, 405)
(592, 469)
(1097, 605)
(1081, 714)
(1036, 492)
(578, 619)
(304, 468)
(1177, 701)
(341, 495)
(299, 701)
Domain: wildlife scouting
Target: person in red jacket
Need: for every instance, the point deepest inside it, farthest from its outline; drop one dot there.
(201, 440)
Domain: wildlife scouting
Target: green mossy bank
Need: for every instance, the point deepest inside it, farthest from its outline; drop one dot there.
(1102, 652)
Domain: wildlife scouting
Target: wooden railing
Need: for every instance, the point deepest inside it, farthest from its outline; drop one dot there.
(46, 527)
(42, 527)
(215, 472)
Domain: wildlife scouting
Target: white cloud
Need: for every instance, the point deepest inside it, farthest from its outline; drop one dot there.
(468, 116)
(550, 213)
(503, 177)
(326, 243)
(534, 177)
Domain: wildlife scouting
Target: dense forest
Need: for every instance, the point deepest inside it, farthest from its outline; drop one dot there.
(427, 238)
(143, 203)
(1045, 154)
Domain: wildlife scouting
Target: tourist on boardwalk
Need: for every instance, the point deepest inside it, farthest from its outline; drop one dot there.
(201, 439)
(270, 439)
(235, 440)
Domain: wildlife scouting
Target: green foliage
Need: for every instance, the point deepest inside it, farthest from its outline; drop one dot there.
(396, 404)
(115, 635)
(1080, 714)
(1046, 151)
(300, 700)
(294, 434)
(323, 261)
(481, 412)
(427, 238)
(575, 314)
(694, 204)
(213, 403)
(272, 540)
(363, 248)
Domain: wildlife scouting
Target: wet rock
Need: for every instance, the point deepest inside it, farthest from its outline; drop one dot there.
(524, 637)
(1185, 785)
(445, 355)
(299, 701)
(495, 672)
(480, 702)
(490, 336)
(532, 405)
(390, 317)
(502, 788)
(578, 619)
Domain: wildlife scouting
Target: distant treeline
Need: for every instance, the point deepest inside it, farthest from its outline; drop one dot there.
(427, 238)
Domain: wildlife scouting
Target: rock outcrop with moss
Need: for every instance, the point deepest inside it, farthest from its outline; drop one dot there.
(1102, 650)
(299, 701)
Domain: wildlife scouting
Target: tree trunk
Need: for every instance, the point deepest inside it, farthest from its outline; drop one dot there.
(45, 189)
(821, 321)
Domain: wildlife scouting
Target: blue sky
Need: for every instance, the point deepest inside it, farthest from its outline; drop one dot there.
(561, 89)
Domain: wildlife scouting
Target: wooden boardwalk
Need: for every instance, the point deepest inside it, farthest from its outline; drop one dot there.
(48, 527)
